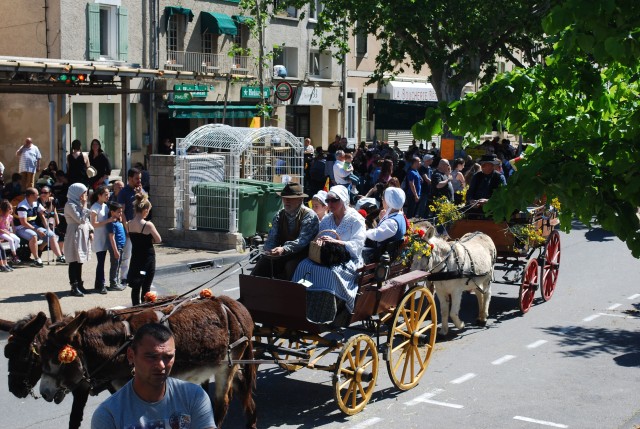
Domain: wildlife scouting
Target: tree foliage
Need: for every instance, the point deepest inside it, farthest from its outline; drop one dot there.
(459, 40)
(582, 110)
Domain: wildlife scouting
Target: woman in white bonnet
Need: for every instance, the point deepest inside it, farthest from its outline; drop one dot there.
(319, 204)
(392, 225)
(338, 280)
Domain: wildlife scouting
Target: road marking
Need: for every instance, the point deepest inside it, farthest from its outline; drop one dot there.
(468, 376)
(231, 290)
(614, 306)
(503, 359)
(443, 404)
(118, 307)
(540, 422)
(613, 315)
(634, 296)
(592, 317)
(365, 424)
(424, 397)
(536, 344)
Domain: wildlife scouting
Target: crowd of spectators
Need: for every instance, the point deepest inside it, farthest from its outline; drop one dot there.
(49, 211)
(420, 171)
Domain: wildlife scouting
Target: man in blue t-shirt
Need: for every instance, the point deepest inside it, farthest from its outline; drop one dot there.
(413, 188)
(126, 197)
(152, 399)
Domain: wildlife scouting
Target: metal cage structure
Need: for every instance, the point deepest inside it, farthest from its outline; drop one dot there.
(213, 160)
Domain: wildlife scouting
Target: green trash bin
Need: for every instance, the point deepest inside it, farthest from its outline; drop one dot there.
(270, 203)
(212, 207)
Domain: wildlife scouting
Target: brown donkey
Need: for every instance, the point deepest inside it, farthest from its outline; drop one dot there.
(210, 333)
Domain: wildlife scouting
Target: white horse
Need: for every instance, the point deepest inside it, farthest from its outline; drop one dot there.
(457, 266)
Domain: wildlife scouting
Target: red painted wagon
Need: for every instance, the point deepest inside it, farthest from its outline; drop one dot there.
(530, 263)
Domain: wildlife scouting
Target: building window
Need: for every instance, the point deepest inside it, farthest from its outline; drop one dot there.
(361, 43)
(319, 65)
(315, 7)
(107, 32)
(288, 11)
(288, 57)
(175, 32)
(241, 60)
(209, 43)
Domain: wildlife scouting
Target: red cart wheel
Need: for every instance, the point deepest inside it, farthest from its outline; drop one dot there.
(529, 285)
(550, 265)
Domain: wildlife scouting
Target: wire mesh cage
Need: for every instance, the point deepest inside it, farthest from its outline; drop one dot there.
(228, 177)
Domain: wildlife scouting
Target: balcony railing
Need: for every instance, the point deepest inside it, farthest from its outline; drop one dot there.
(209, 63)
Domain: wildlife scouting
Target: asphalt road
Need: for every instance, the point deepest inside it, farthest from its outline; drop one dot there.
(571, 362)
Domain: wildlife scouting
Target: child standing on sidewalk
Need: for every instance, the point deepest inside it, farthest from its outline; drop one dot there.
(117, 240)
(6, 229)
(99, 214)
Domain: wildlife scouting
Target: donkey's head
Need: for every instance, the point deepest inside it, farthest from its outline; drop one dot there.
(424, 263)
(62, 359)
(23, 352)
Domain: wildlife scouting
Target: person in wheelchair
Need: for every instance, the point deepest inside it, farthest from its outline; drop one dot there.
(389, 233)
(292, 230)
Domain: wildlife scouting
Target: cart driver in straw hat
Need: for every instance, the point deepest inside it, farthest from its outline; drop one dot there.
(292, 229)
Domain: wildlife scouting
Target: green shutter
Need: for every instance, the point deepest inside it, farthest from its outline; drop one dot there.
(93, 15)
(123, 34)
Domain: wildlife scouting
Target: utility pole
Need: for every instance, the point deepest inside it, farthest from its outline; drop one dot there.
(260, 60)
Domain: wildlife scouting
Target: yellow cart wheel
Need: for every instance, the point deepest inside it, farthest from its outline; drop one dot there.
(412, 338)
(356, 373)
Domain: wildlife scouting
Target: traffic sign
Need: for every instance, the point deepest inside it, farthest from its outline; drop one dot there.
(284, 91)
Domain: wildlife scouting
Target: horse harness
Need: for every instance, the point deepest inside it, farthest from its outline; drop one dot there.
(459, 273)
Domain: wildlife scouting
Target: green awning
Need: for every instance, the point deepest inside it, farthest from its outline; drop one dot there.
(176, 10)
(241, 19)
(214, 111)
(217, 23)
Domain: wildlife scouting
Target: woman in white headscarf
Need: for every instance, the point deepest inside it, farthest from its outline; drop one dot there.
(319, 204)
(77, 243)
(393, 224)
(338, 280)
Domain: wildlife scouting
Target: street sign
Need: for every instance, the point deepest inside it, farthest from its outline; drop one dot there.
(182, 97)
(284, 91)
(254, 92)
(195, 91)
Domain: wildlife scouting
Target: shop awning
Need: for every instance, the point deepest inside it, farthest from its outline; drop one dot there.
(214, 112)
(217, 23)
(410, 91)
(177, 10)
(241, 19)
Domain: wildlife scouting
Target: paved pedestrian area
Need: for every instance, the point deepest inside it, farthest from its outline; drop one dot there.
(22, 291)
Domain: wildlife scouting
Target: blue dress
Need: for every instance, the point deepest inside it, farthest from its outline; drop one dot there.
(339, 280)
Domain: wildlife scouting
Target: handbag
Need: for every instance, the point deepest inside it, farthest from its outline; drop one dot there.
(328, 254)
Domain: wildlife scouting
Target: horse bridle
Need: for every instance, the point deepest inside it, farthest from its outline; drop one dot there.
(90, 378)
(31, 358)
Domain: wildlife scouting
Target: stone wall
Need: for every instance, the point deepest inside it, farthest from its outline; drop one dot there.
(163, 196)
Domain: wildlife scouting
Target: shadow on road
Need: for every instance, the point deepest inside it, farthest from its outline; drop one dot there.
(31, 297)
(281, 399)
(585, 342)
(599, 234)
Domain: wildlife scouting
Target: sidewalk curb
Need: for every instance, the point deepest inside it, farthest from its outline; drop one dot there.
(189, 266)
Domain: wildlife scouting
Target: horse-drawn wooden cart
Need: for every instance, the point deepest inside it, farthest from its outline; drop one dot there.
(392, 303)
(528, 249)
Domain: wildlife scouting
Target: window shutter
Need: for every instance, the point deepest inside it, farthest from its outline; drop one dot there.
(93, 14)
(123, 34)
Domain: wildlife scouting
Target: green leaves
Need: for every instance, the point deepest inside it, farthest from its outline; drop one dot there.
(583, 112)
